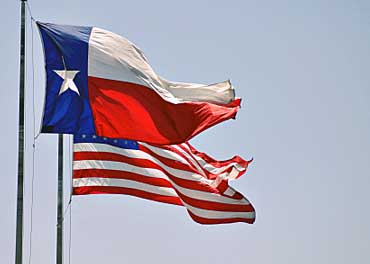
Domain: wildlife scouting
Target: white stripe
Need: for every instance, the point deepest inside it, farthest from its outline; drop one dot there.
(132, 153)
(208, 196)
(100, 147)
(209, 167)
(113, 57)
(238, 168)
(194, 162)
(211, 214)
(229, 191)
(116, 165)
(92, 181)
(165, 153)
(149, 172)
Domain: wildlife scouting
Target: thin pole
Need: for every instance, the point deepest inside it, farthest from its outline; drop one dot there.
(20, 181)
(60, 202)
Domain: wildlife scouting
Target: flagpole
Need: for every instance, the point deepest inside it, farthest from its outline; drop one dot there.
(20, 181)
(59, 256)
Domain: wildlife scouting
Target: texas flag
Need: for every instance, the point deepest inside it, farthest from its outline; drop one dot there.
(99, 83)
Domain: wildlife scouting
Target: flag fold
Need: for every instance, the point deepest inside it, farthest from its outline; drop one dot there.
(175, 174)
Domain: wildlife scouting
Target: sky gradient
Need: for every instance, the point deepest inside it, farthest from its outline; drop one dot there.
(302, 70)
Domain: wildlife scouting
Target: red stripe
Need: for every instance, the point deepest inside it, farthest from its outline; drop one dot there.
(191, 184)
(195, 161)
(216, 206)
(148, 117)
(222, 186)
(154, 197)
(108, 156)
(105, 173)
(208, 221)
(139, 162)
(128, 191)
(237, 195)
(160, 183)
(190, 161)
(219, 164)
(102, 173)
(212, 176)
(170, 162)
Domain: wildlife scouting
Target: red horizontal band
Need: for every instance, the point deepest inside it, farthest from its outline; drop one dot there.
(156, 120)
(208, 221)
(128, 191)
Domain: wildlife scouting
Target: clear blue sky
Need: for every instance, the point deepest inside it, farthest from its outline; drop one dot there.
(302, 69)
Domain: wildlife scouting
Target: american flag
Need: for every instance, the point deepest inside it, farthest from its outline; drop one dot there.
(174, 174)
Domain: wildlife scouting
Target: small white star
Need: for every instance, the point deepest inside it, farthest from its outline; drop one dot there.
(68, 82)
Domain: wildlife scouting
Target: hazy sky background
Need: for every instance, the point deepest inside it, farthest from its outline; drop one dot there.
(302, 69)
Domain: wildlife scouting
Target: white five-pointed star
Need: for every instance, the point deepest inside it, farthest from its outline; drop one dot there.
(68, 82)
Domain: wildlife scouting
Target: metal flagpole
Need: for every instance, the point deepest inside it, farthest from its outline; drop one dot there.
(20, 183)
(59, 259)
